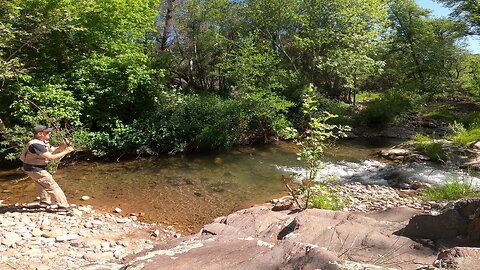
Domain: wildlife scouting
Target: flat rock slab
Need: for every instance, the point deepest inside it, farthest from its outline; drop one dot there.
(258, 238)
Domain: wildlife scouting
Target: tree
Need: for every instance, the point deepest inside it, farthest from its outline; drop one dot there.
(422, 53)
(467, 11)
(336, 42)
(167, 29)
(312, 143)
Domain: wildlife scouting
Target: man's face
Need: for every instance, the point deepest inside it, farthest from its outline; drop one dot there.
(43, 135)
(46, 134)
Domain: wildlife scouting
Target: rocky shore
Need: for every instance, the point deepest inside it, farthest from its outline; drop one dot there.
(32, 237)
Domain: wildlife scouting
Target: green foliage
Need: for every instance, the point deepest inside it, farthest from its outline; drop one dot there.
(343, 110)
(326, 196)
(420, 138)
(37, 103)
(13, 141)
(452, 189)
(386, 110)
(337, 42)
(368, 96)
(465, 137)
(122, 85)
(470, 78)
(96, 66)
(192, 122)
(448, 113)
(259, 82)
(465, 11)
(422, 54)
(314, 140)
(433, 150)
(212, 123)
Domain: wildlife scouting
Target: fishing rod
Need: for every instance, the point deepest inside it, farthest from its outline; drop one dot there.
(44, 114)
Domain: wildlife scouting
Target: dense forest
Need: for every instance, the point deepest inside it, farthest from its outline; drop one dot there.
(144, 76)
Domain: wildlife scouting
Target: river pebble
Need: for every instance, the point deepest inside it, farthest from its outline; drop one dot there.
(369, 198)
(34, 238)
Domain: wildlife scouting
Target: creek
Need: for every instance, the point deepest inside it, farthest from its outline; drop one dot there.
(190, 190)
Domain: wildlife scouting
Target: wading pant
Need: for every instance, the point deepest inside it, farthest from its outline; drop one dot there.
(48, 188)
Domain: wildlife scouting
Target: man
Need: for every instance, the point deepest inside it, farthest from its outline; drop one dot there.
(35, 156)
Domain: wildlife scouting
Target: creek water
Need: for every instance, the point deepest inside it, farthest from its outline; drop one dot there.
(188, 191)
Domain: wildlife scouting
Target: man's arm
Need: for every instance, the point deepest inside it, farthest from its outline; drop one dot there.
(62, 147)
(58, 155)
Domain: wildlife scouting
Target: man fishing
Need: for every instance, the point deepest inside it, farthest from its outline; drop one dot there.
(35, 157)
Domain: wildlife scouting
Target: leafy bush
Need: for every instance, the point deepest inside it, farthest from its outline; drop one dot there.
(387, 109)
(207, 122)
(433, 150)
(312, 143)
(44, 100)
(336, 107)
(182, 122)
(13, 141)
(453, 189)
(123, 85)
(326, 196)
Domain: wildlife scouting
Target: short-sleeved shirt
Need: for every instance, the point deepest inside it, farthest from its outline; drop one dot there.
(35, 148)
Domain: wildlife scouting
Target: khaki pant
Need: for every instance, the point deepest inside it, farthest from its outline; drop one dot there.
(48, 188)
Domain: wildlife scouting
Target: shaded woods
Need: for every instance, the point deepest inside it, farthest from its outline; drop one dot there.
(129, 76)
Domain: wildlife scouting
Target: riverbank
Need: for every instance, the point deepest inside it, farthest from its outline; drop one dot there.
(37, 238)
(32, 237)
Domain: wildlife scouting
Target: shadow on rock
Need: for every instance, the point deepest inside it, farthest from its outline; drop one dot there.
(458, 224)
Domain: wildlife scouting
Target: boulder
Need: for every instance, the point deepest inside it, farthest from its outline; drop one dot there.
(459, 223)
(259, 238)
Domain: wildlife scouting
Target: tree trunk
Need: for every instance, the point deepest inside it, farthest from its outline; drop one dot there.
(168, 25)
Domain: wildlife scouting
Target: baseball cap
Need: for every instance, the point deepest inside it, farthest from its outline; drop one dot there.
(41, 128)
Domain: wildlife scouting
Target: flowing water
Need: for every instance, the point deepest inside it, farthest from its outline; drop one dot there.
(190, 190)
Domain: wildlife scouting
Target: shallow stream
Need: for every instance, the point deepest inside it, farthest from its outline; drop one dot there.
(188, 191)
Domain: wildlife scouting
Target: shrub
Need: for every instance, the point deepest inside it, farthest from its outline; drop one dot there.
(326, 196)
(196, 122)
(465, 137)
(433, 150)
(386, 110)
(208, 122)
(336, 107)
(453, 189)
(312, 143)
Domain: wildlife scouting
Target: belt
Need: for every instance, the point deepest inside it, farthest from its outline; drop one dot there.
(29, 167)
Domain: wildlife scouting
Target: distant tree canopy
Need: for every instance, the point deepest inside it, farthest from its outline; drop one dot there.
(152, 76)
(467, 11)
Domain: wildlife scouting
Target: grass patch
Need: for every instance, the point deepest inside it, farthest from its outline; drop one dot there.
(368, 96)
(448, 114)
(453, 189)
(327, 196)
(465, 137)
(432, 149)
(420, 138)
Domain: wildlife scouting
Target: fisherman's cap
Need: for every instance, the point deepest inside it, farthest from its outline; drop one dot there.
(41, 128)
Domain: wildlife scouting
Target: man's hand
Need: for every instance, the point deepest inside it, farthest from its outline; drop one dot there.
(69, 149)
(66, 141)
